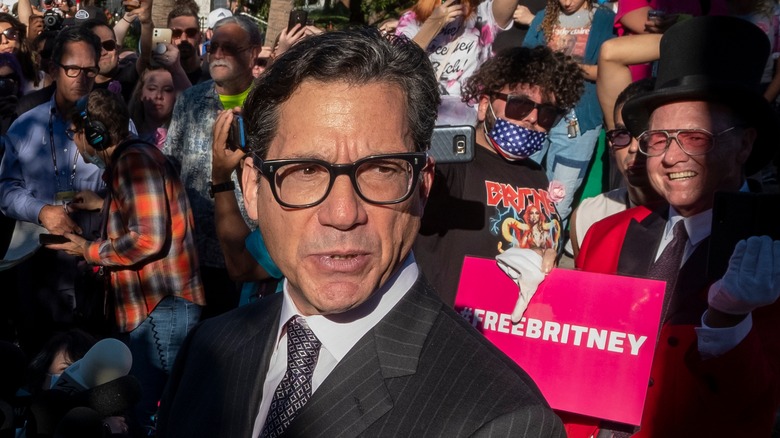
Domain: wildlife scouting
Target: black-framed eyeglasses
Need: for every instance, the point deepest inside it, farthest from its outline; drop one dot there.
(71, 133)
(377, 179)
(619, 138)
(692, 141)
(227, 47)
(108, 45)
(518, 106)
(73, 71)
(191, 32)
(11, 34)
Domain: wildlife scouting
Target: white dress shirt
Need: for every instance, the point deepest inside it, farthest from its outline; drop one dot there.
(337, 333)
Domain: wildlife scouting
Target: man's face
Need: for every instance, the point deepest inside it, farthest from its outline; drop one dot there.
(533, 92)
(78, 54)
(108, 58)
(189, 39)
(687, 182)
(233, 58)
(630, 163)
(337, 253)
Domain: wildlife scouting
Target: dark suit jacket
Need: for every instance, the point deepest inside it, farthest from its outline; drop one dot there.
(422, 371)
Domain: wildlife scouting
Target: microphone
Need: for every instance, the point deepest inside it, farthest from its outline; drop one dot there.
(107, 360)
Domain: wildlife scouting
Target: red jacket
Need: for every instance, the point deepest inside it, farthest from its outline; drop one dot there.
(733, 395)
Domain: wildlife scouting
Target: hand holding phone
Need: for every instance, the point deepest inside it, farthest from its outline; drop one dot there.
(297, 17)
(51, 239)
(236, 136)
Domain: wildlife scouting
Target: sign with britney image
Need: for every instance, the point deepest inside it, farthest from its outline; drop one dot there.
(586, 339)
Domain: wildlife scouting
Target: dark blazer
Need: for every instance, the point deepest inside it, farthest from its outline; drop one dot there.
(422, 371)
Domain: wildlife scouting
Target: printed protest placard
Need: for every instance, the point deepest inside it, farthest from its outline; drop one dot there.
(586, 339)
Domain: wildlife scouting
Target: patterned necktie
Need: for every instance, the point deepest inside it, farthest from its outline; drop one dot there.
(294, 390)
(667, 267)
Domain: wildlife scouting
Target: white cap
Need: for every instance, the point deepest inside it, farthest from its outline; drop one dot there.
(216, 15)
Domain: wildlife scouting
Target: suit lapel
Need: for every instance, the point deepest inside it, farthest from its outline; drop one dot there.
(690, 298)
(640, 245)
(355, 394)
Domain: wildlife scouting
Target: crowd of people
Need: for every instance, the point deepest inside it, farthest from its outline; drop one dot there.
(183, 197)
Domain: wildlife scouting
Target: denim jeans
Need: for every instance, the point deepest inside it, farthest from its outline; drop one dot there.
(567, 159)
(154, 345)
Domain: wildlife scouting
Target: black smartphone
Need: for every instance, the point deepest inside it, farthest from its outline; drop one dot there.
(737, 216)
(236, 136)
(655, 14)
(297, 17)
(453, 144)
(49, 239)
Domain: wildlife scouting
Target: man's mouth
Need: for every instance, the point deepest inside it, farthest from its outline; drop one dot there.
(682, 175)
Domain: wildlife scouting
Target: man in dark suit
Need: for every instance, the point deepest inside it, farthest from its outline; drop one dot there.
(703, 128)
(357, 344)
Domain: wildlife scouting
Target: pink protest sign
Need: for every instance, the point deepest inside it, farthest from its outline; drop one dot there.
(586, 339)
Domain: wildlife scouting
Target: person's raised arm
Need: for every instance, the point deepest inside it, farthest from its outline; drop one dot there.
(503, 11)
(613, 75)
(444, 14)
(232, 231)
(144, 14)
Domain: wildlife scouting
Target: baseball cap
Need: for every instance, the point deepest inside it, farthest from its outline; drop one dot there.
(216, 15)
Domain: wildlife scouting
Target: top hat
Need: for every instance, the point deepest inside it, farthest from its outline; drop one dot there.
(714, 59)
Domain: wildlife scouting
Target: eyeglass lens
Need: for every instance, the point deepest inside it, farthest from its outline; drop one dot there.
(518, 108)
(11, 34)
(108, 45)
(380, 180)
(693, 142)
(619, 138)
(190, 31)
(228, 49)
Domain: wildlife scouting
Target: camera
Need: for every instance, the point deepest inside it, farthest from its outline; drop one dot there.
(53, 20)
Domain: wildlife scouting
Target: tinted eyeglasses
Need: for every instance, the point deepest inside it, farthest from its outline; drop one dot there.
(73, 71)
(619, 138)
(228, 48)
(691, 141)
(108, 45)
(377, 179)
(11, 34)
(190, 32)
(519, 107)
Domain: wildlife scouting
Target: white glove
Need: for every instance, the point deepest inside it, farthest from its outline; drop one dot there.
(752, 279)
(524, 267)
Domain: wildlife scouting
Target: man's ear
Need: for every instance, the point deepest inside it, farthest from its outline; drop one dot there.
(746, 144)
(250, 186)
(482, 108)
(426, 179)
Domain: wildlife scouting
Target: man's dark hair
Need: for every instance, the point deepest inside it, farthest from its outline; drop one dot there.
(188, 9)
(554, 72)
(357, 57)
(109, 109)
(92, 23)
(74, 34)
(634, 89)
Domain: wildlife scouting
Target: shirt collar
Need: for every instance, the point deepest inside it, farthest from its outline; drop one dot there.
(339, 333)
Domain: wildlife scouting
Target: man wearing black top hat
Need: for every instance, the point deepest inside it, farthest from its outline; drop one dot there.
(704, 127)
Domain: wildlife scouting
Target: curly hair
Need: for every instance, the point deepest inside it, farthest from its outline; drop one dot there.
(552, 13)
(555, 73)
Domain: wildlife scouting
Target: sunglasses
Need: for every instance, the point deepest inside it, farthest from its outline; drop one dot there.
(619, 138)
(190, 31)
(108, 45)
(519, 107)
(228, 48)
(11, 34)
(692, 141)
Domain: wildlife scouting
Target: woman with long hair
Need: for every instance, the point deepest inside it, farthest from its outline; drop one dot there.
(576, 28)
(151, 105)
(13, 39)
(458, 36)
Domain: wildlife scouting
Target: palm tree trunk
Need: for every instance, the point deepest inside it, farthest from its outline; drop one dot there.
(278, 16)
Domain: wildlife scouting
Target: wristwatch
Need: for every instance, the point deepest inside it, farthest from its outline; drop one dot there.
(224, 187)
